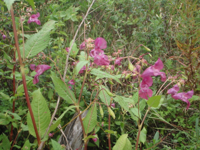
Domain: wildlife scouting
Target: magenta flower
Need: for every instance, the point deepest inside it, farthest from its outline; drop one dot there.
(95, 52)
(154, 70)
(82, 46)
(34, 18)
(118, 61)
(70, 87)
(146, 82)
(101, 60)
(94, 139)
(4, 36)
(113, 105)
(72, 82)
(67, 49)
(145, 92)
(173, 90)
(100, 43)
(82, 70)
(184, 97)
(40, 69)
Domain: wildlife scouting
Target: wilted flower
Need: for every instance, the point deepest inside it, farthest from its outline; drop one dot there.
(118, 61)
(34, 18)
(173, 90)
(82, 46)
(40, 69)
(72, 82)
(95, 52)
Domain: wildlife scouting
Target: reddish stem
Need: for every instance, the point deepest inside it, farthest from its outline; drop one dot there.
(11, 132)
(23, 76)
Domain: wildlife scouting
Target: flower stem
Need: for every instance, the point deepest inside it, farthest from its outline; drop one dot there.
(23, 75)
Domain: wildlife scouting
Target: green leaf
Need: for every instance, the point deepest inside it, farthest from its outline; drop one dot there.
(54, 125)
(41, 114)
(5, 143)
(135, 112)
(142, 105)
(38, 41)
(90, 121)
(79, 66)
(121, 142)
(74, 50)
(121, 102)
(56, 145)
(135, 97)
(82, 56)
(128, 145)
(156, 136)
(154, 101)
(62, 89)
(67, 109)
(31, 2)
(4, 96)
(143, 135)
(9, 3)
(16, 116)
(100, 74)
(105, 98)
(27, 145)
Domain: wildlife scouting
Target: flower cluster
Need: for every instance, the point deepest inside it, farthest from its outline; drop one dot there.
(34, 18)
(98, 54)
(39, 69)
(182, 96)
(147, 80)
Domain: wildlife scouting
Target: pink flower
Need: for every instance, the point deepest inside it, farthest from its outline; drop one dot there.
(100, 43)
(71, 82)
(154, 70)
(101, 60)
(4, 36)
(70, 87)
(146, 82)
(67, 49)
(113, 105)
(34, 18)
(173, 90)
(118, 61)
(51, 134)
(145, 92)
(184, 97)
(82, 46)
(82, 70)
(94, 139)
(40, 69)
(95, 52)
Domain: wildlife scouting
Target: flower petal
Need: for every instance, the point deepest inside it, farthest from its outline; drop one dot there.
(100, 43)
(32, 66)
(173, 90)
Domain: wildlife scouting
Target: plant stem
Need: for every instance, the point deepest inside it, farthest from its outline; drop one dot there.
(23, 75)
(109, 142)
(11, 132)
(140, 127)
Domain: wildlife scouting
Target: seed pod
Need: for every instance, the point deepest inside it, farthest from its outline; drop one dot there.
(111, 112)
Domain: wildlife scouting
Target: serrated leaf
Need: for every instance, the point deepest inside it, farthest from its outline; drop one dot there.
(105, 98)
(154, 101)
(38, 42)
(62, 90)
(5, 143)
(27, 145)
(56, 145)
(121, 102)
(80, 65)
(135, 112)
(121, 142)
(143, 135)
(135, 97)
(9, 3)
(90, 120)
(41, 114)
(4, 96)
(102, 74)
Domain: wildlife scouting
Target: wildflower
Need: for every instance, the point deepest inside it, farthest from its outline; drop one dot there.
(34, 18)
(94, 139)
(154, 70)
(82, 46)
(101, 60)
(82, 70)
(40, 69)
(181, 96)
(100, 43)
(67, 49)
(118, 61)
(113, 105)
(145, 92)
(4, 36)
(70, 87)
(95, 52)
(72, 82)
(51, 134)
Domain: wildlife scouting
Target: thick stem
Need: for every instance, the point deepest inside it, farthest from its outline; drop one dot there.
(23, 76)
